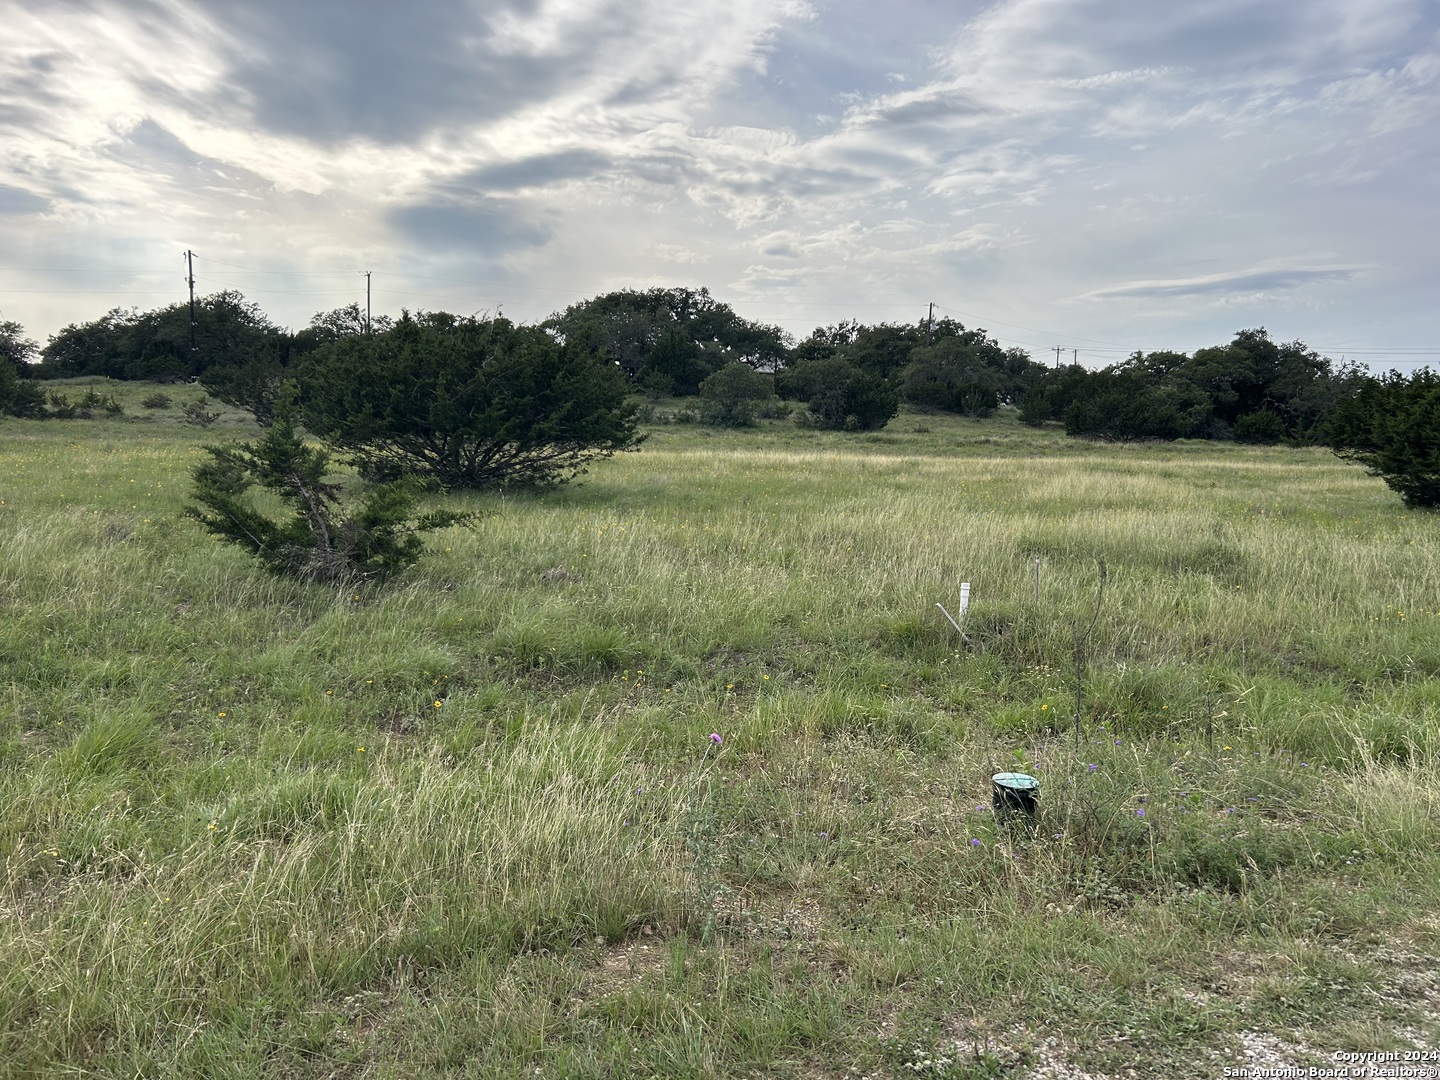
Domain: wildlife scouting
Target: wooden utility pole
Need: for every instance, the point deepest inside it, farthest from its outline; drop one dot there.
(930, 325)
(190, 275)
(1058, 350)
(367, 301)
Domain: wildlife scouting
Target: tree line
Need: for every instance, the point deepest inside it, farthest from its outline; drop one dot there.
(479, 401)
(671, 341)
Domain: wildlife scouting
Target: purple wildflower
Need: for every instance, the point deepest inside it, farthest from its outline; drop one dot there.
(715, 738)
(974, 843)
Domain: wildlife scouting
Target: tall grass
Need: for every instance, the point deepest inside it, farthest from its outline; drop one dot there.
(134, 920)
(476, 820)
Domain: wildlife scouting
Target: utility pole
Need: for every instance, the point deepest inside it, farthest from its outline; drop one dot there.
(1058, 350)
(1074, 356)
(367, 301)
(930, 325)
(190, 275)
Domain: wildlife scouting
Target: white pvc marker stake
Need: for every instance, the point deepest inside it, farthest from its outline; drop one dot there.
(964, 606)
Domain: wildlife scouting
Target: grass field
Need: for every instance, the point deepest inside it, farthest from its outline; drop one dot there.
(475, 824)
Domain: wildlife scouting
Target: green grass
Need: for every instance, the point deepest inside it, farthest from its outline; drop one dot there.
(473, 824)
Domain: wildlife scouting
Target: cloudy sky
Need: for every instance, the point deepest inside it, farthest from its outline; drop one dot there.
(1103, 175)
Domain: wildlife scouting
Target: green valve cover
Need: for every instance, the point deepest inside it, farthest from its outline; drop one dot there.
(1016, 781)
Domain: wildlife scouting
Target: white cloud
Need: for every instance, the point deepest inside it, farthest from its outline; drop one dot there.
(1258, 281)
(1028, 160)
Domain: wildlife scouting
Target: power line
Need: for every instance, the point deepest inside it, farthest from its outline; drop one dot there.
(71, 292)
(257, 270)
(391, 273)
(1029, 329)
(279, 292)
(541, 288)
(82, 270)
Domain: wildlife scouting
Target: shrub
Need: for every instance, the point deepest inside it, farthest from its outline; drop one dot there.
(158, 400)
(1392, 426)
(840, 395)
(18, 397)
(732, 396)
(1264, 426)
(197, 414)
(471, 403)
(253, 385)
(951, 377)
(93, 400)
(376, 540)
(656, 384)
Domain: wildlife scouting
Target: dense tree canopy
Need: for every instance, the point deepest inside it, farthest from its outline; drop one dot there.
(958, 374)
(669, 340)
(15, 347)
(155, 345)
(881, 350)
(18, 396)
(473, 403)
(937, 365)
(672, 340)
(1253, 389)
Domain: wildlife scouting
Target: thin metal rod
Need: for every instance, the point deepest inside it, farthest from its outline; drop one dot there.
(953, 623)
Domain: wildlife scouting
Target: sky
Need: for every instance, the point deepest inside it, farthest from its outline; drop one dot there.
(1090, 175)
